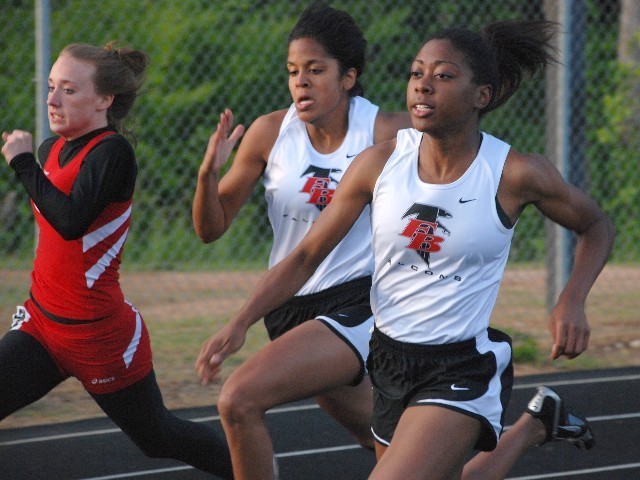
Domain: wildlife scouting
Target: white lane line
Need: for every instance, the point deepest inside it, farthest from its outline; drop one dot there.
(296, 408)
(140, 473)
(315, 451)
(48, 438)
(571, 473)
(579, 381)
(88, 433)
(619, 378)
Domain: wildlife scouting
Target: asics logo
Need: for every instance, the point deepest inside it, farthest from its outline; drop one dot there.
(102, 381)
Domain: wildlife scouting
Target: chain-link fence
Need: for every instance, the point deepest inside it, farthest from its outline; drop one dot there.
(211, 54)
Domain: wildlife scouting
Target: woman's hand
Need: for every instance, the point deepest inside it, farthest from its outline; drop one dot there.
(15, 143)
(221, 143)
(569, 328)
(216, 349)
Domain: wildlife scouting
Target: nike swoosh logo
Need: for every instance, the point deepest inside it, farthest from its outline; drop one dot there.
(453, 387)
(466, 201)
(351, 156)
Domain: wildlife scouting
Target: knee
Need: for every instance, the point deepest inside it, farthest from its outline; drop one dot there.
(152, 434)
(239, 403)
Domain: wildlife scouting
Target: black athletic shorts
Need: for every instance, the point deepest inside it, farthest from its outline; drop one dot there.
(344, 308)
(473, 377)
(301, 308)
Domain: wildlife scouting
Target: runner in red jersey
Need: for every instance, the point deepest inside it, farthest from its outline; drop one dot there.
(77, 321)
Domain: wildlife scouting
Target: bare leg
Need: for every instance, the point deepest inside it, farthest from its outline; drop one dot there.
(307, 361)
(429, 442)
(525, 433)
(352, 407)
(380, 449)
(546, 418)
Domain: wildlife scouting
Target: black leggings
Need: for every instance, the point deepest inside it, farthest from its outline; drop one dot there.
(27, 373)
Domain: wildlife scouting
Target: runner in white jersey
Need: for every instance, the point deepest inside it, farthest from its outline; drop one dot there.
(320, 336)
(441, 248)
(441, 378)
(439, 251)
(299, 186)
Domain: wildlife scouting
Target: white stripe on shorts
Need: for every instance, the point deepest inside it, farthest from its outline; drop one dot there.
(489, 405)
(357, 336)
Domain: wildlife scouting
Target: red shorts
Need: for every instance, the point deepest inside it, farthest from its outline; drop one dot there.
(106, 356)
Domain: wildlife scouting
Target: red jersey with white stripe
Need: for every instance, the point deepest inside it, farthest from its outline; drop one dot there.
(79, 279)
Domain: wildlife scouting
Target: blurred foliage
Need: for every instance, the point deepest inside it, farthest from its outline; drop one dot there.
(618, 184)
(210, 55)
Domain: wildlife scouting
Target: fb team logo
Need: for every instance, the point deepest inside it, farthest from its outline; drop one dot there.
(318, 184)
(423, 227)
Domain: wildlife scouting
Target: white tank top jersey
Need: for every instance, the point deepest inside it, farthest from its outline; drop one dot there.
(439, 250)
(299, 182)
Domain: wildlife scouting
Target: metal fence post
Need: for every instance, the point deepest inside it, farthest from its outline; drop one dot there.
(566, 140)
(43, 64)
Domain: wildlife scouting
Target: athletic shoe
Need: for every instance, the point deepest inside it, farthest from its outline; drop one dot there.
(560, 422)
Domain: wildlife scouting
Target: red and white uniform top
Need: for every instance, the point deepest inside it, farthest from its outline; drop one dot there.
(79, 279)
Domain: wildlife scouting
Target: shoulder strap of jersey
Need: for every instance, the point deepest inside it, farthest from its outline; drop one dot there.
(59, 143)
(93, 142)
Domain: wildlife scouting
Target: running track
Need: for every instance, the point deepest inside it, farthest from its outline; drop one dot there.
(310, 446)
